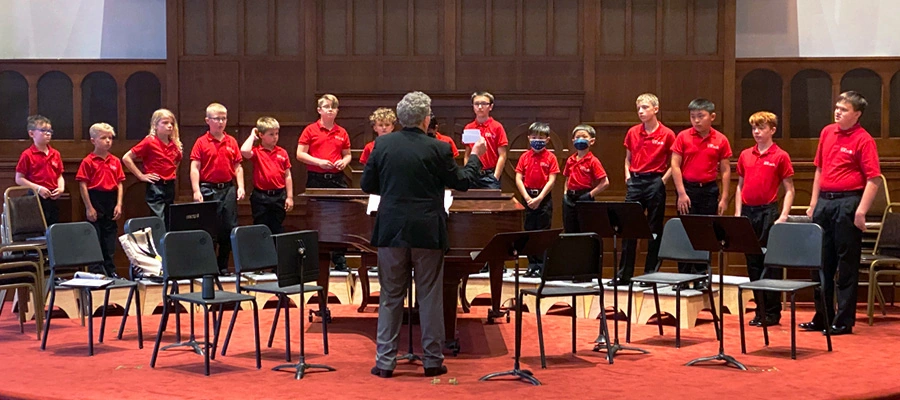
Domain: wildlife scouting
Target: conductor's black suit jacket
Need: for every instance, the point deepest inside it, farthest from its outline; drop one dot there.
(410, 170)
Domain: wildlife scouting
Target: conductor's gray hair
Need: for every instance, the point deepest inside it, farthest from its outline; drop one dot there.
(413, 109)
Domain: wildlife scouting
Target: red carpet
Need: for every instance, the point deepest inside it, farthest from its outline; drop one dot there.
(862, 365)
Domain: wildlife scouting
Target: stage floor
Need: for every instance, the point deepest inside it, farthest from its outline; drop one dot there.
(862, 365)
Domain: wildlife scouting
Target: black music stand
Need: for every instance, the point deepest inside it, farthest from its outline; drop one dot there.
(292, 270)
(721, 234)
(509, 246)
(411, 356)
(616, 220)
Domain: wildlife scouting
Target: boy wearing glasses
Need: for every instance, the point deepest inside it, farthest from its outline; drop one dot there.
(494, 136)
(40, 168)
(215, 166)
(324, 147)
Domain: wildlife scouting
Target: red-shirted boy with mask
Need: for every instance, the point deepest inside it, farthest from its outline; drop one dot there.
(535, 176)
(585, 176)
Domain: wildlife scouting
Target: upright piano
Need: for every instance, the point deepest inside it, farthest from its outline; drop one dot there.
(475, 216)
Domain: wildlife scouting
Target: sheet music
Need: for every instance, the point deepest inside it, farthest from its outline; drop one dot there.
(448, 200)
(374, 200)
(90, 283)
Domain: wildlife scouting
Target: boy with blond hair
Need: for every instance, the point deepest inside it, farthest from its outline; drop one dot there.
(648, 149)
(382, 120)
(494, 136)
(273, 191)
(215, 167)
(40, 168)
(761, 169)
(100, 179)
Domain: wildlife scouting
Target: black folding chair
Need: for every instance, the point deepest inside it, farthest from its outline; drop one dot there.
(190, 255)
(254, 250)
(75, 245)
(674, 246)
(790, 246)
(575, 257)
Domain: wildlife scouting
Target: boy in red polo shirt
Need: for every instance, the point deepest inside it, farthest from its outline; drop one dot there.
(535, 176)
(100, 179)
(494, 135)
(382, 123)
(843, 190)
(699, 154)
(761, 169)
(161, 153)
(215, 166)
(648, 149)
(273, 188)
(324, 147)
(433, 132)
(40, 168)
(585, 176)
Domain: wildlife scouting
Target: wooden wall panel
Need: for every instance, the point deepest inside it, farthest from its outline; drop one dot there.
(706, 24)
(612, 14)
(612, 95)
(472, 29)
(486, 75)
(566, 28)
(195, 39)
(551, 76)
(288, 24)
(347, 76)
(257, 26)
(228, 27)
(365, 27)
(396, 27)
(682, 81)
(426, 76)
(675, 27)
(273, 88)
(427, 26)
(209, 81)
(643, 27)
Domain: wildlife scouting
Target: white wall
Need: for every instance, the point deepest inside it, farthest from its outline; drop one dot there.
(82, 29)
(817, 28)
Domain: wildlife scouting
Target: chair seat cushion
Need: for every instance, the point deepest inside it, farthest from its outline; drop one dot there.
(668, 278)
(778, 285)
(221, 297)
(272, 287)
(562, 291)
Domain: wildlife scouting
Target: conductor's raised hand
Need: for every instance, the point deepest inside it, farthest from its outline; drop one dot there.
(479, 148)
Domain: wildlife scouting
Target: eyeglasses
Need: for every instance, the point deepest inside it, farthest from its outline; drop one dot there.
(218, 119)
(44, 130)
(327, 108)
(481, 104)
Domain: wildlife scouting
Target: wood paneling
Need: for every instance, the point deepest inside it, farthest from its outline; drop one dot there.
(205, 82)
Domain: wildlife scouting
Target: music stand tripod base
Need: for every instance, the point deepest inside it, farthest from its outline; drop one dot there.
(301, 367)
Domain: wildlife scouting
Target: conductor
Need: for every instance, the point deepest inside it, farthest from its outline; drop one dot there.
(410, 170)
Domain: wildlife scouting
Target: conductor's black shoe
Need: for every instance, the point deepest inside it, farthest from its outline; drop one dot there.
(837, 330)
(382, 373)
(811, 326)
(435, 371)
(341, 267)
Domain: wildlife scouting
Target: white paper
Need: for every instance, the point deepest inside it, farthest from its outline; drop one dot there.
(91, 283)
(448, 200)
(374, 201)
(471, 136)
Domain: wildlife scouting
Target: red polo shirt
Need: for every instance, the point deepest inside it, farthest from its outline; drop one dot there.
(324, 144)
(448, 140)
(269, 167)
(494, 136)
(364, 157)
(701, 156)
(847, 158)
(536, 168)
(762, 174)
(217, 158)
(650, 151)
(39, 168)
(583, 173)
(100, 173)
(158, 158)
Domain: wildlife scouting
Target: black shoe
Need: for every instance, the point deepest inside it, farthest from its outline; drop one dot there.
(837, 330)
(645, 284)
(436, 371)
(224, 272)
(341, 267)
(701, 286)
(811, 326)
(770, 320)
(755, 321)
(382, 373)
(618, 282)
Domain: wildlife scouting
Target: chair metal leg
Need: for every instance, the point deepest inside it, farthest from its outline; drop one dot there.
(741, 319)
(323, 299)
(256, 333)
(102, 314)
(90, 320)
(574, 322)
(537, 306)
(230, 327)
(712, 310)
(138, 311)
(658, 312)
(206, 339)
(604, 328)
(827, 320)
(677, 317)
(281, 303)
(793, 327)
(287, 330)
(125, 315)
(762, 321)
(628, 320)
(49, 312)
(162, 327)
(870, 303)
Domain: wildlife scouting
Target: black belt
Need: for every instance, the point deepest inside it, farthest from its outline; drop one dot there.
(642, 175)
(760, 208)
(163, 182)
(273, 192)
(839, 195)
(577, 193)
(533, 192)
(212, 185)
(489, 171)
(323, 175)
(700, 184)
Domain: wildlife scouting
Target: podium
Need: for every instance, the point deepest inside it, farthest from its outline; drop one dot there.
(616, 220)
(509, 246)
(721, 234)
